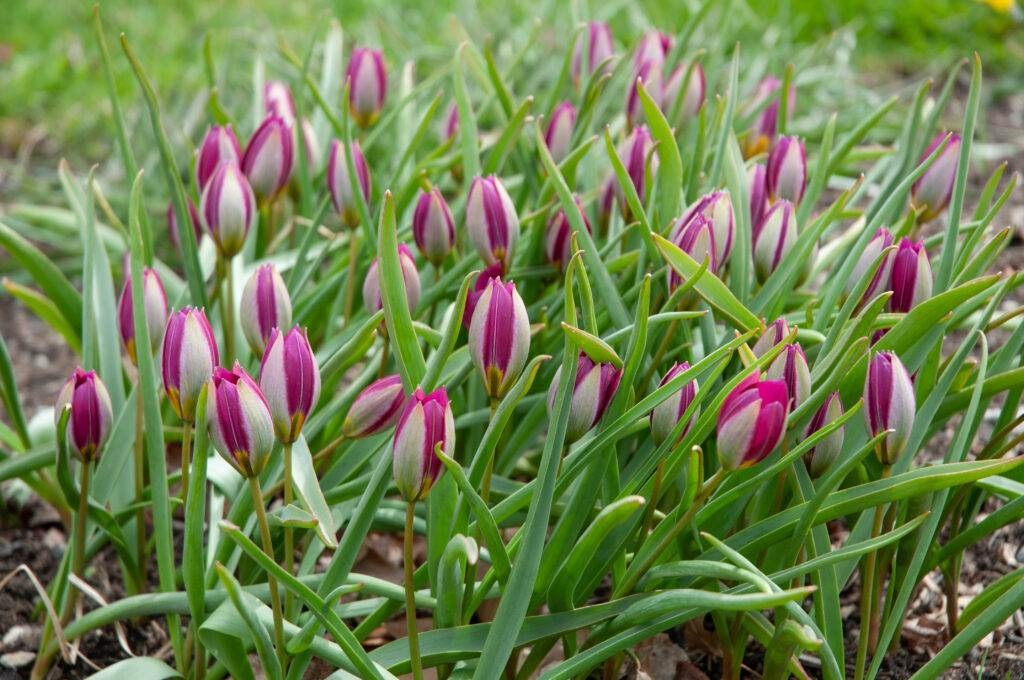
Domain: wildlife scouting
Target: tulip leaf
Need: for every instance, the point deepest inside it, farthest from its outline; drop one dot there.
(137, 667)
(246, 606)
(450, 334)
(670, 169)
(632, 197)
(451, 575)
(467, 121)
(725, 131)
(308, 488)
(46, 310)
(594, 347)
(509, 137)
(193, 558)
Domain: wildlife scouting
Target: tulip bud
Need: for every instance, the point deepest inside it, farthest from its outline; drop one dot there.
(480, 284)
(228, 208)
(371, 284)
(777, 238)
(425, 423)
(759, 202)
(433, 227)
(693, 97)
(606, 204)
(651, 78)
(932, 190)
(592, 392)
(791, 368)
(820, 458)
(290, 381)
(91, 414)
(492, 221)
(773, 334)
(499, 337)
(268, 159)
(879, 242)
(340, 185)
(155, 300)
(766, 123)
(265, 305)
(277, 101)
(697, 239)
(716, 208)
(314, 150)
(219, 145)
(889, 404)
(375, 409)
(752, 422)
(172, 224)
(558, 237)
(599, 46)
(666, 415)
(652, 48)
(189, 357)
(559, 133)
(451, 122)
(911, 277)
(787, 170)
(368, 85)
(634, 154)
(238, 420)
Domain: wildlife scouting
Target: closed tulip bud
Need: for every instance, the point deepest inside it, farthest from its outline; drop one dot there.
(606, 204)
(371, 284)
(559, 133)
(91, 415)
(492, 221)
(697, 239)
(666, 415)
(693, 96)
(314, 150)
(277, 101)
(652, 80)
(777, 238)
(480, 284)
(172, 223)
(155, 300)
(598, 45)
(773, 334)
(880, 280)
(653, 48)
(889, 404)
(189, 357)
(265, 305)
(451, 122)
(219, 145)
(375, 409)
(290, 381)
(238, 420)
(228, 208)
(752, 422)
(340, 185)
(826, 452)
(592, 392)
(637, 148)
(425, 423)
(787, 170)
(911, 277)
(759, 203)
(499, 337)
(791, 368)
(716, 208)
(558, 237)
(433, 227)
(368, 85)
(932, 191)
(268, 159)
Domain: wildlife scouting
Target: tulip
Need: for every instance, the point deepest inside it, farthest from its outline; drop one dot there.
(368, 83)
(879, 242)
(238, 420)
(433, 227)
(375, 409)
(759, 202)
(716, 208)
(776, 239)
(277, 101)
(606, 204)
(752, 422)
(693, 96)
(559, 133)
(290, 381)
(697, 240)
(426, 423)
(265, 305)
(189, 357)
(773, 334)
(911, 277)
(492, 221)
(652, 80)
(218, 145)
(558, 237)
(155, 301)
(599, 46)
(314, 150)
(889, 404)
(666, 415)
(499, 337)
(786, 175)
(820, 458)
(371, 284)
(592, 392)
(172, 223)
(652, 48)
(634, 155)
(451, 122)
(228, 208)
(766, 123)
(268, 159)
(340, 184)
(91, 414)
(932, 191)
(791, 368)
(483, 279)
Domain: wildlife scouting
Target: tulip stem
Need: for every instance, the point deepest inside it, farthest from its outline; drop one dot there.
(382, 371)
(78, 556)
(485, 489)
(140, 488)
(867, 588)
(660, 353)
(268, 548)
(645, 527)
(410, 596)
(350, 289)
(289, 546)
(186, 458)
(229, 315)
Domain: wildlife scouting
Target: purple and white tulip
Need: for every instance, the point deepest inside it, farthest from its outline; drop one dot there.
(759, 203)
(480, 284)
(375, 409)
(593, 390)
(219, 145)
(433, 227)
(791, 368)
(716, 208)
(762, 135)
(697, 239)
(155, 300)
(666, 415)
(189, 357)
(752, 422)
(787, 170)
(599, 46)
(880, 280)
(911, 278)
(290, 381)
(776, 239)
(278, 101)
(371, 284)
(368, 85)
(826, 452)
(693, 96)
(238, 420)
(773, 334)
(268, 159)
(558, 136)
(172, 223)
(889, 404)
(499, 337)
(653, 47)
(340, 184)
(652, 79)
(491, 221)
(91, 416)
(228, 208)
(558, 237)
(638, 146)
(425, 423)
(932, 191)
(264, 306)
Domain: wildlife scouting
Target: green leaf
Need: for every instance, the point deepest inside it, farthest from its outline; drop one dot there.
(137, 667)
(193, 557)
(670, 168)
(62, 295)
(46, 310)
(10, 397)
(467, 122)
(593, 346)
(246, 606)
(312, 496)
